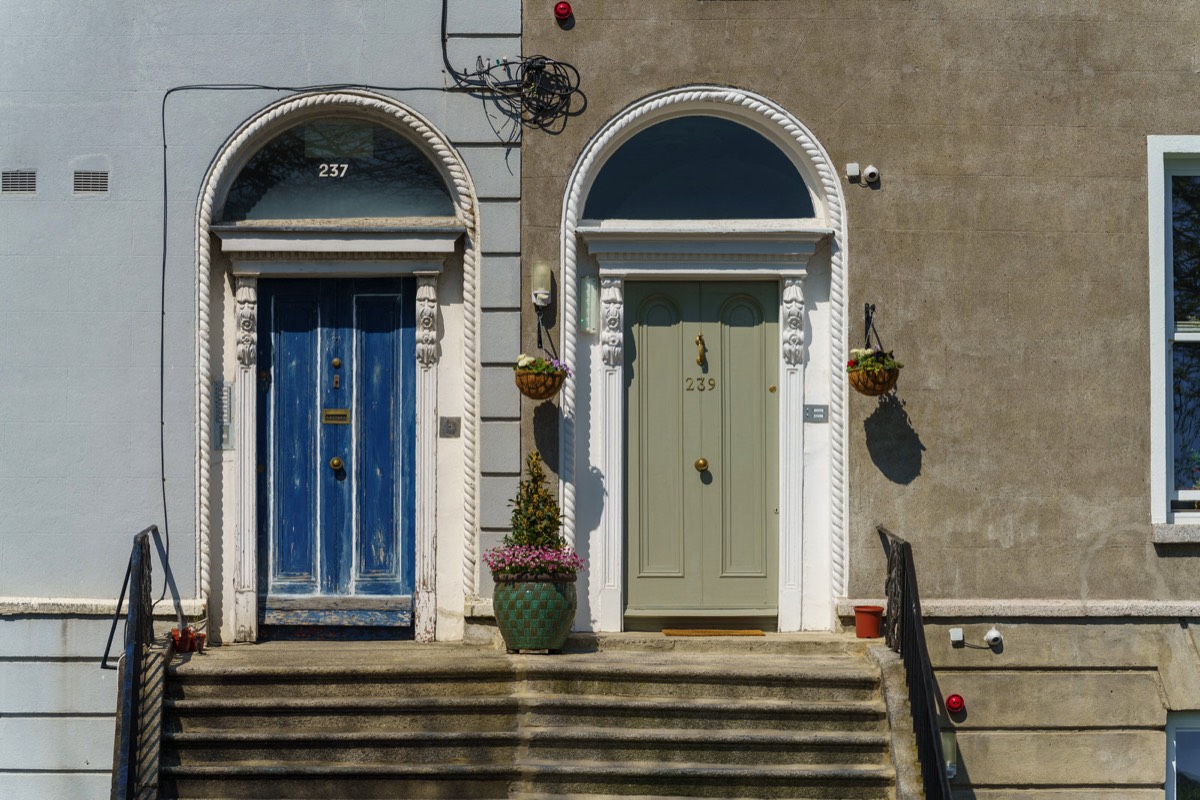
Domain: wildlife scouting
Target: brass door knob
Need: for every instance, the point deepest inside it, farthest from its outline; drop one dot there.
(701, 464)
(336, 463)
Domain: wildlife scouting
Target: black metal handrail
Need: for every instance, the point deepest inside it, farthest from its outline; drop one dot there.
(139, 635)
(905, 634)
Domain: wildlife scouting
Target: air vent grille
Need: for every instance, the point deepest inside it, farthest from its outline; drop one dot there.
(91, 182)
(18, 181)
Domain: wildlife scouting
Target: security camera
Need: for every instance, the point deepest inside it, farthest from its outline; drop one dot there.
(993, 638)
(870, 174)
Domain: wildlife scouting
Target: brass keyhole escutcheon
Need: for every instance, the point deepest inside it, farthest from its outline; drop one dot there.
(701, 464)
(700, 349)
(336, 463)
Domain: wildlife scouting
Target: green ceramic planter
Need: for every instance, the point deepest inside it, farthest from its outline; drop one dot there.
(534, 613)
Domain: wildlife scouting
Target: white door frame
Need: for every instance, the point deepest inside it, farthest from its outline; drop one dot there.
(779, 249)
(226, 324)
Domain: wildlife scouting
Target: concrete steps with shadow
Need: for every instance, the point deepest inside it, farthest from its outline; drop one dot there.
(321, 720)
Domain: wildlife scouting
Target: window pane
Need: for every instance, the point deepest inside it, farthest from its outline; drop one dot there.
(1185, 248)
(1186, 388)
(336, 169)
(1187, 765)
(698, 168)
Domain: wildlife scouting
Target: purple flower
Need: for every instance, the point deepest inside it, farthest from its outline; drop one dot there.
(521, 560)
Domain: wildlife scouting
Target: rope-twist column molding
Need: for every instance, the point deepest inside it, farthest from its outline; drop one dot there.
(204, 401)
(818, 160)
(252, 133)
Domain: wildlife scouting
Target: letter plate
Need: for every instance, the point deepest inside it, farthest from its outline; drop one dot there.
(335, 416)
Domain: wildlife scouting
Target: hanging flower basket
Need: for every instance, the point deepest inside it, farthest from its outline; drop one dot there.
(874, 382)
(872, 371)
(539, 385)
(539, 379)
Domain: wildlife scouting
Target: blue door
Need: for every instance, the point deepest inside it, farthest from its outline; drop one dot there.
(336, 364)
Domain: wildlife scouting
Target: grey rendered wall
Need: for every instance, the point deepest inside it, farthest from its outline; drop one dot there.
(1067, 708)
(1005, 248)
(80, 88)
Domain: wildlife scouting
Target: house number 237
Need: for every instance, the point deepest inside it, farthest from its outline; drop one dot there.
(700, 384)
(332, 170)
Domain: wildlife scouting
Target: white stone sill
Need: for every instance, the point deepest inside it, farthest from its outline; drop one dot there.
(1174, 533)
(953, 609)
(87, 607)
(478, 608)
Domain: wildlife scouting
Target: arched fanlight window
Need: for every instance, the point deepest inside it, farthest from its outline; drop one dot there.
(337, 169)
(698, 168)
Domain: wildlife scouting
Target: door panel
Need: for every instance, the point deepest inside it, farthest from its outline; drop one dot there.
(659, 428)
(701, 540)
(745, 421)
(384, 499)
(336, 408)
(294, 567)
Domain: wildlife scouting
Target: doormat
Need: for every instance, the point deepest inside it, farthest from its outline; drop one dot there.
(709, 632)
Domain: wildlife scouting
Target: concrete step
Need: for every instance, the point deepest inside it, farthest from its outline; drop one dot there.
(557, 745)
(799, 719)
(691, 676)
(725, 747)
(772, 644)
(713, 677)
(842, 782)
(704, 714)
(368, 781)
(491, 713)
(338, 714)
(327, 680)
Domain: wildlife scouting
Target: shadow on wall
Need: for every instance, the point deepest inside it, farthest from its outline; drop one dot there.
(893, 443)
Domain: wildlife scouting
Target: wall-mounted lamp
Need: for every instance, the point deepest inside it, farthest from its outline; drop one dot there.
(540, 284)
(589, 304)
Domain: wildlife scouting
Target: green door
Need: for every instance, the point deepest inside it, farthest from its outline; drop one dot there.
(702, 374)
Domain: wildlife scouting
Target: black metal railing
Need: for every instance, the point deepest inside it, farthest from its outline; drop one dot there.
(905, 634)
(139, 636)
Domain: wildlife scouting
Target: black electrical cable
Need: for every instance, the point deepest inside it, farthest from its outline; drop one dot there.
(538, 91)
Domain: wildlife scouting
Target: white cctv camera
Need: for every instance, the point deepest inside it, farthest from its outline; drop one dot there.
(870, 174)
(993, 637)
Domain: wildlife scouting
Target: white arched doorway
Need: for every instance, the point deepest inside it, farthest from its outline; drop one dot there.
(805, 259)
(434, 258)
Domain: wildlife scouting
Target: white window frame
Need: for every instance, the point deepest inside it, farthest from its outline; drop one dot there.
(1166, 157)
(1177, 721)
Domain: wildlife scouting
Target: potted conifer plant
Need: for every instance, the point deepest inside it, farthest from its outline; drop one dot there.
(534, 570)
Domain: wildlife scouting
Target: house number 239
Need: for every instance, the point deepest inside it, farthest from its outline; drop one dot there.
(332, 170)
(700, 384)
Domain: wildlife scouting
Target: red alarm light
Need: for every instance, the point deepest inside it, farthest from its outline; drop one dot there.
(955, 704)
(562, 11)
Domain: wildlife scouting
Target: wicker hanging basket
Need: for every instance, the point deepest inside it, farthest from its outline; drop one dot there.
(539, 385)
(874, 382)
